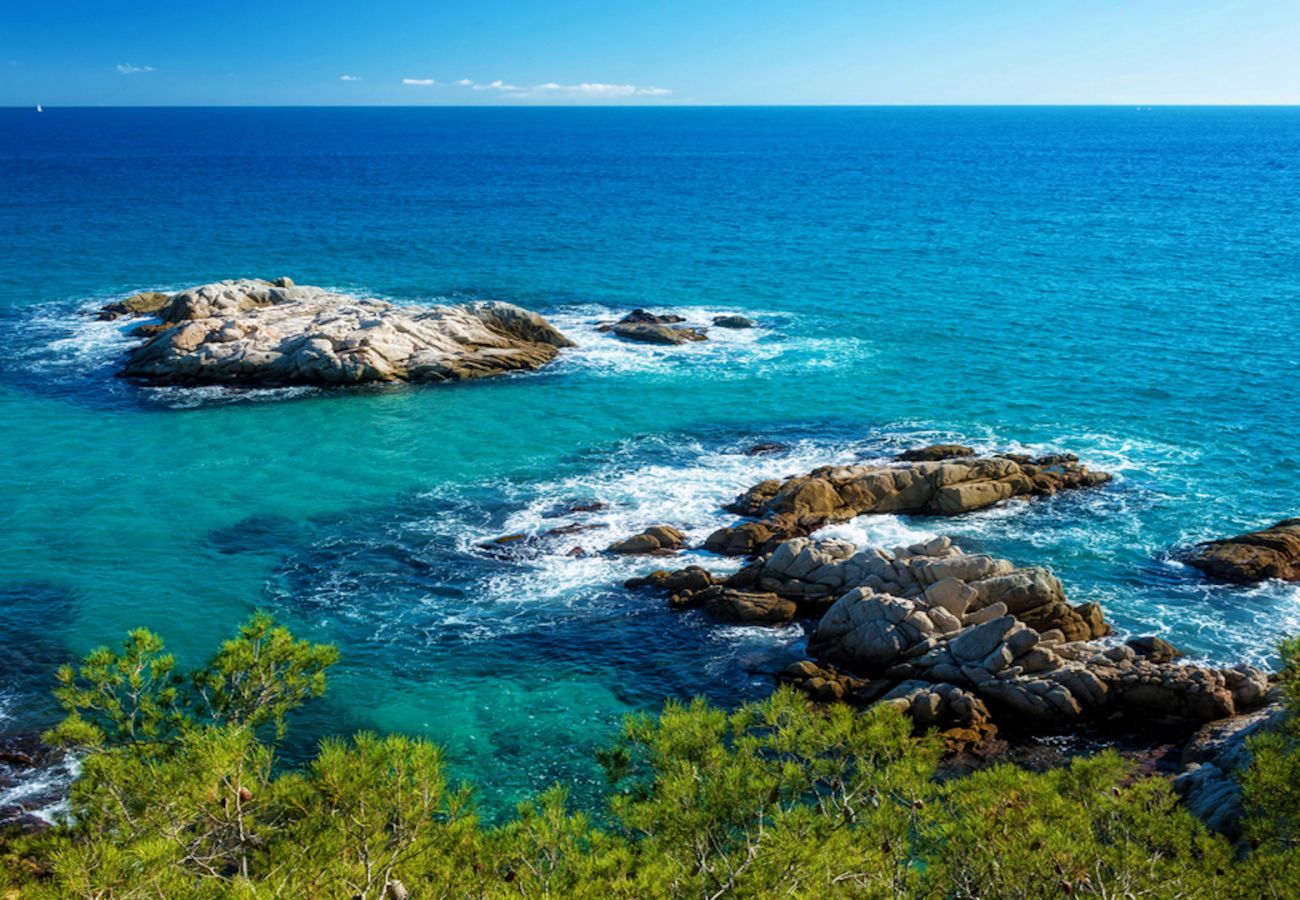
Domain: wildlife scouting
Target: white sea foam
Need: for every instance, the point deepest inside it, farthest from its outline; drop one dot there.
(728, 353)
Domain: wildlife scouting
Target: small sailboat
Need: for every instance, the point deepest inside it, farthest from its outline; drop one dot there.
(38, 108)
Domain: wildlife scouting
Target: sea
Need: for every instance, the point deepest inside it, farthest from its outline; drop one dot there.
(1121, 283)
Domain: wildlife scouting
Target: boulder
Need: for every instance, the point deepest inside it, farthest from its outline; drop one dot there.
(648, 333)
(1154, 648)
(745, 539)
(935, 452)
(689, 579)
(1253, 557)
(751, 607)
(257, 333)
(655, 539)
(145, 304)
(732, 321)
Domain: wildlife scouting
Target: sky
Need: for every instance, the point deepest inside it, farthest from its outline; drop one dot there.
(699, 52)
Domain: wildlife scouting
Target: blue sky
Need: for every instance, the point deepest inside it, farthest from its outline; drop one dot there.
(57, 52)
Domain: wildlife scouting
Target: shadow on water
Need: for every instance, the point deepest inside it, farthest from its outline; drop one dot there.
(32, 618)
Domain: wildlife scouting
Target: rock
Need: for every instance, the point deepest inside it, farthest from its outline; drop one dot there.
(732, 322)
(689, 579)
(963, 717)
(257, 333)
(149, 329)
(745, 539)
(826, 684)
(650, 333)
(765, 447)
(1257, 556)
(935, 452)
(640, 325)
(644, 317)
(751, 607)
(657, 538)
(1213, 761)
(145, 304)
(1154, 648)
(802, 503)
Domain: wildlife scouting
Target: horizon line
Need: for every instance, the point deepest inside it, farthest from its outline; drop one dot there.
(398, 105)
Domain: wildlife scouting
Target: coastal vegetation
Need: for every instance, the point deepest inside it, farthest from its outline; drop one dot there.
(181, 793)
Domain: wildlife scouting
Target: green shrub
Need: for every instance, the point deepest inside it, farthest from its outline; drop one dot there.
(180, 796)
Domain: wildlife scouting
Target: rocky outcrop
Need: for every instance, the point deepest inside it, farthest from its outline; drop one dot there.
(145, 304)
(655, 539)
(262, 333)
(649, 328)
(1213, 761)
(1253, 557)
(798, 505)
(1008, 636)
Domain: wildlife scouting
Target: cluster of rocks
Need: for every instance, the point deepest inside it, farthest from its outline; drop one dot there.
(1009, 636)
(1257, 556)
(251, 332)
(958, 588)
(649, 328)
(959, 641)
(955, 482)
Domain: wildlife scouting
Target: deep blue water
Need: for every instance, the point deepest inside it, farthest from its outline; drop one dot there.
(1121, 283)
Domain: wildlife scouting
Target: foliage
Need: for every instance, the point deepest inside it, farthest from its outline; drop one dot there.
(180, 795)
(1272, 785)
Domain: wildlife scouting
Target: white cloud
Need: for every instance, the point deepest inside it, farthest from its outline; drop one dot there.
(349, 78)
(598, 90)
(128, 69)
(497, 85)
(586, 90)
(424, 82)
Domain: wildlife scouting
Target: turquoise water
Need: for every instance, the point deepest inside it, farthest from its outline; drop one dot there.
(1121, 283)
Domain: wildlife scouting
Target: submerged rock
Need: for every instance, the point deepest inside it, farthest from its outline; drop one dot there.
(1256, 556)
(798, 505)
(262, 333)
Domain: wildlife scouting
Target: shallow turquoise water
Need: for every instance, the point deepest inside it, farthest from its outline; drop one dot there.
(1120, 283)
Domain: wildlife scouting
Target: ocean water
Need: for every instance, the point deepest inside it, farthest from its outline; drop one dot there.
(1120, 283)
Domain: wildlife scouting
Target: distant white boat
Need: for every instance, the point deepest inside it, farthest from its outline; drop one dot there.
(38, 108)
